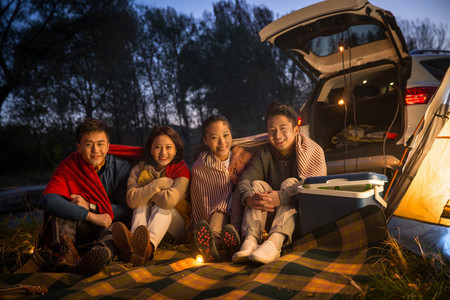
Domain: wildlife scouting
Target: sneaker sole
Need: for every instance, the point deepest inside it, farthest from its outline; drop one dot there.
(203, 236)
(141, 238)
(122, 240)
(261, 260)
(231, 239)
(92, 262)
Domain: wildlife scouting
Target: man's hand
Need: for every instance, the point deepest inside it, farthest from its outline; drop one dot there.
(266, 201)
(103, 220)
(77, 199)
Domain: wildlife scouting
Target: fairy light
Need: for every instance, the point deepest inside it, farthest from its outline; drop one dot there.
(341, 46)
(199, 259)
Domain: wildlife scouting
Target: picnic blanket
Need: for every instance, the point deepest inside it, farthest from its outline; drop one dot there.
(336, 260)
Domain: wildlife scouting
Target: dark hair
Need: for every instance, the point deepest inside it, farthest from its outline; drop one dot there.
(211, 120)
(170, 132)
(276, 109)
(201, 147)
(91, 125)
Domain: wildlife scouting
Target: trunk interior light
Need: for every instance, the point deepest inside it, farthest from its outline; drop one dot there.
(419, 95)
(341, 46)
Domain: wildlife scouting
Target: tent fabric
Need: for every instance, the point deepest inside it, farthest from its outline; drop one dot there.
(430, 189)
(435, 118)
(430, 236)
(336, 260)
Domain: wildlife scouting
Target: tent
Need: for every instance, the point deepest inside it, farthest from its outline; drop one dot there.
(419, 205)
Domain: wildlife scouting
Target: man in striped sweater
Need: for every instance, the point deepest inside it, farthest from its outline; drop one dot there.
(269, 185)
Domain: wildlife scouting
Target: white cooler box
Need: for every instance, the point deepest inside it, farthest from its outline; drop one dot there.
(325, 199)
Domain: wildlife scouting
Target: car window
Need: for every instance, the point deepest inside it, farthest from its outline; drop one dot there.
(437, 67)
(356, 35)
(379, 81)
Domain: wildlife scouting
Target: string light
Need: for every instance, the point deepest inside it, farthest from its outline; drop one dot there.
(199, 259)
(341, 46)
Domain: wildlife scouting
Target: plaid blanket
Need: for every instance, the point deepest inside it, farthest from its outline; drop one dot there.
(337, 260)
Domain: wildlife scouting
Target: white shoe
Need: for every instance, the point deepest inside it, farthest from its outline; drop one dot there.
(266, 253)
(247, 248)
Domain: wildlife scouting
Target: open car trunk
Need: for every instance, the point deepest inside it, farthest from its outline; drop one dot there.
(368, 100)
(357, 57)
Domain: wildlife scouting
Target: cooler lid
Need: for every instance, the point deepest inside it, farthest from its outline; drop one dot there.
(346, 179)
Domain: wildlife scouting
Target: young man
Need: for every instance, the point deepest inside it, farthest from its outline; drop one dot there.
(269, 185)
(85, 193)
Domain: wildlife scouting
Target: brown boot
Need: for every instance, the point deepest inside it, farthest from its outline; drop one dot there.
(94, 261)
(123, 238)
(68, 254)
(143, 248)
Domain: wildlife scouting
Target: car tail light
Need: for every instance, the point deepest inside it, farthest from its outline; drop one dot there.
(391, 135)
(419, 95)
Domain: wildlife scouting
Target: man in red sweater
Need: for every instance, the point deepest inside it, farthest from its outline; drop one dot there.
(85, 194)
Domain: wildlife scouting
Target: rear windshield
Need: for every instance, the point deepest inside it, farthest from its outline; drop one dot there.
(356, 35)
(437, 67)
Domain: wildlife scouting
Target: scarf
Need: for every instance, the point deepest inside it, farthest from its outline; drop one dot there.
(75, 176)
(212, 183)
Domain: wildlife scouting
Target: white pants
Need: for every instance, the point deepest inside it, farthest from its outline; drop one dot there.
(158, 222)
(285, 216)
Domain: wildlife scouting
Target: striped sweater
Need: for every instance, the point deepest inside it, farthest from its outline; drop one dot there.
(212, 184)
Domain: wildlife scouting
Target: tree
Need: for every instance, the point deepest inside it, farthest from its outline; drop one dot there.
(228, 71)
(163, 34)
(424, 34)
(36, 31)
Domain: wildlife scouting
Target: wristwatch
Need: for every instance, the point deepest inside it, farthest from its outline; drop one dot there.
(93, 207)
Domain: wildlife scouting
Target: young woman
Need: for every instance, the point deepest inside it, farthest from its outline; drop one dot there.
(216, 213)
(157, 190)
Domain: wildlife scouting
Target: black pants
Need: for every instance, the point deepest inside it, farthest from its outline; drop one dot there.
(85, 235)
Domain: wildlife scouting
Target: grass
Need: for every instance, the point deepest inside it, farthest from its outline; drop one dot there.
(17, 241)
(410, 276)
(405, 274)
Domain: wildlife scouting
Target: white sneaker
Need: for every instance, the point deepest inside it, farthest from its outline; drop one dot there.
(247, 248)
(266, 253)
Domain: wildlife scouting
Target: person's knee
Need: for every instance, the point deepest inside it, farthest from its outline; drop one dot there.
(158, 210)
(290, 182)
(259, 186)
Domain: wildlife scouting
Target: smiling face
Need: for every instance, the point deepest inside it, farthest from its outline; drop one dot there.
(281, 133)
(218, 139)
(163, 151)
(93, 147)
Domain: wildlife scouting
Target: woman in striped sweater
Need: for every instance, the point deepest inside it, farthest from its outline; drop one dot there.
(157, 191)
(216, 216)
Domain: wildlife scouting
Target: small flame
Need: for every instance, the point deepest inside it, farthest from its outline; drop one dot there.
(341, 102)
(32, 250)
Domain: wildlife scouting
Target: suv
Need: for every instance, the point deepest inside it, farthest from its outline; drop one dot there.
(357, 57)
(428, 69)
